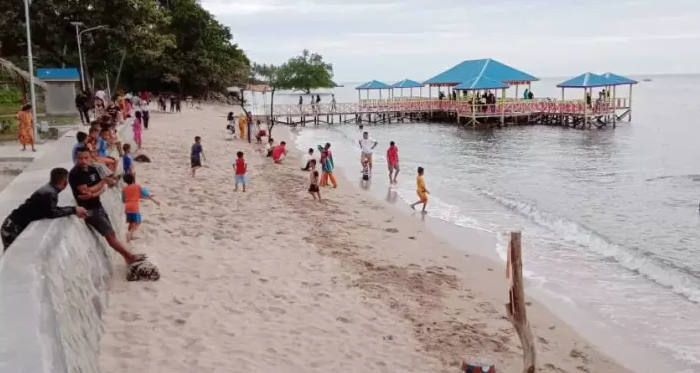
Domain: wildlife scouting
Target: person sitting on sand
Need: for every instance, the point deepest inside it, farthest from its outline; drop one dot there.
(314, 189)
(87, 186)
(421, 191)
(132, 194)
(196, 155)
(42, 204)
(279, 152)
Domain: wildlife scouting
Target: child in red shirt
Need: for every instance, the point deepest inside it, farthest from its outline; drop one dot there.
(392, 160)
(240, 167)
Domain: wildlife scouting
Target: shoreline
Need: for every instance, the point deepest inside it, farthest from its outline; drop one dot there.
(271, 279)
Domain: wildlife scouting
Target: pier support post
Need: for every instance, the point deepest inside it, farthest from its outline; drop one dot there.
(515, 310)
(614, 108)
(629, 116)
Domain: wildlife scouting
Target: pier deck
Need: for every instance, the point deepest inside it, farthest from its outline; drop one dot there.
(572, 113)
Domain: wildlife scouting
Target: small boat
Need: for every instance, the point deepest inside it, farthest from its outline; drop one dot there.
(646, 80)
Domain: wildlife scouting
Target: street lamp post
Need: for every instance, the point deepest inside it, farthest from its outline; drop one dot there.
(30, 60)
(79, 40)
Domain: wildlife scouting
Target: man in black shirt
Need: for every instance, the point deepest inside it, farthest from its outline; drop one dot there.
(42, 204)
(87, 186)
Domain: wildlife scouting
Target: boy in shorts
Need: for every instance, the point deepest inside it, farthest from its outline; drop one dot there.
(240, 167)
(131, 196)
(197, 154)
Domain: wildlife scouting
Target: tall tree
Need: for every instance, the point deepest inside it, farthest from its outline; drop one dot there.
(306, 72)
(269, 75)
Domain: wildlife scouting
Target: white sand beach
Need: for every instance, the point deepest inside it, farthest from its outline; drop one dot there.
(271, 281)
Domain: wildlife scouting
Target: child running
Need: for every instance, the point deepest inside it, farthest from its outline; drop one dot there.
(138, 129)
(421, 191)
(240, 167)
(314, 190)
(197, 154)
(131, 195)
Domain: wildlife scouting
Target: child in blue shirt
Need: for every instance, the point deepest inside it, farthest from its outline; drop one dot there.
(127, 161)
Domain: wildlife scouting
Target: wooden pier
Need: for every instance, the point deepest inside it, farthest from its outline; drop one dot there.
(567, 113)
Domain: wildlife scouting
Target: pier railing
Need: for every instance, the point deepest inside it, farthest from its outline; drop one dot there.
(462, 107)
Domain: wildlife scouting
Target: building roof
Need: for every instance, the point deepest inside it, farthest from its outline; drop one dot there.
(586, 80)
(66, 74)
(480, 82)
(488, 67)
(619, 79)
(406, 83)
(373, 84)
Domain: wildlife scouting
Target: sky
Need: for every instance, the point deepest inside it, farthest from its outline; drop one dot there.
(390, 40)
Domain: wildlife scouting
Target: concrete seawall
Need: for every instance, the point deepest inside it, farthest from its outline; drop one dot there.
(54, 279)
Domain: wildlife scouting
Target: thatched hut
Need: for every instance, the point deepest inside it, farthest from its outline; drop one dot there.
(13, 75)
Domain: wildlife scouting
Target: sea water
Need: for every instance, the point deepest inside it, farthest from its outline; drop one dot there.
(610, 220)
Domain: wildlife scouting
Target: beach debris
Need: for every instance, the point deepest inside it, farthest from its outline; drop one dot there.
(478, 367)
(143, 158)
(391, 230)
(515, 309)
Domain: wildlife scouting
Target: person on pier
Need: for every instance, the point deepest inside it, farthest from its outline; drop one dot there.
(333, 108)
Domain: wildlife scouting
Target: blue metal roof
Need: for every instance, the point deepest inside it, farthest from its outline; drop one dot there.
(373, 84)
(480, 82)
(69, 73)
(406, 83)
(619, 79)
(471, 69)
(586, 80)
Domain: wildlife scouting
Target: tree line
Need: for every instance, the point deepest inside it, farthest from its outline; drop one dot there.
(155, 45)
(167, 45)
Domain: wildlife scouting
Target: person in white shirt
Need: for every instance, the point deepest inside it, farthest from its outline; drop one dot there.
(367, 146)
(306, 160)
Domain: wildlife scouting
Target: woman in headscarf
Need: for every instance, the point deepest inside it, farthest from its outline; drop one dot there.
(100, 104)
(25, 135)
(242, 125)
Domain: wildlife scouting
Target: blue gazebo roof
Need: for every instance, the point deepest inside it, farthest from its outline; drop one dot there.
(407, 83)
(586, 80)
(373, 84)
(471, 69)
(619, 79)
(65, 74)
(480, 82)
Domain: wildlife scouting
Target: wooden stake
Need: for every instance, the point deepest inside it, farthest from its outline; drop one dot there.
(515, 310)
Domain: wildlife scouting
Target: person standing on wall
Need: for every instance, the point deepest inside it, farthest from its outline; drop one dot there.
(42, 204)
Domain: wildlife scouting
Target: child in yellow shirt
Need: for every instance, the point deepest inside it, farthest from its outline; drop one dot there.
(421, 191)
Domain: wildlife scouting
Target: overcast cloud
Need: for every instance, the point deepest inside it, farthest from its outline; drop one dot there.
(395, 39)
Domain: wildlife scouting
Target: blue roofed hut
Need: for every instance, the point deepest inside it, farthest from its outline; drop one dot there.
(410, 84)
(588, 81)
(483, 83)
(372, 85)
(471, 69)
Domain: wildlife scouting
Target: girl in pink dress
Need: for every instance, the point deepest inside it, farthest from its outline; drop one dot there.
(138, 129)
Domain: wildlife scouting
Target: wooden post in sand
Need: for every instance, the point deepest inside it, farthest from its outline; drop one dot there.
(515, 310)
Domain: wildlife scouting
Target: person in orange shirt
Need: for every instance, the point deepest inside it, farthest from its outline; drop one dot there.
(421, 191)
(131, 195)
